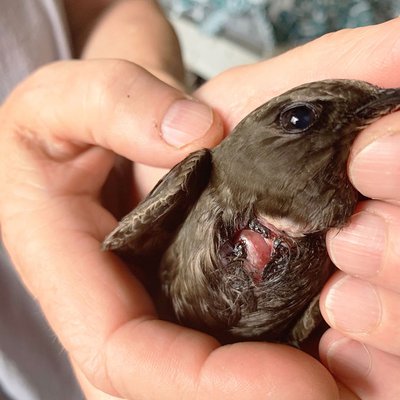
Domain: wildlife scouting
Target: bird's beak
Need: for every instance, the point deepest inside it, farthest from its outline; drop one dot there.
(388, 101)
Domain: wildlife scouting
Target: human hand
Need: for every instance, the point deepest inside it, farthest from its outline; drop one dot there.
(364, 357)
(60, 130)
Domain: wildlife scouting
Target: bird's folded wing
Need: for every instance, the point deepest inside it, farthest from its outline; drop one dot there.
(150, 227)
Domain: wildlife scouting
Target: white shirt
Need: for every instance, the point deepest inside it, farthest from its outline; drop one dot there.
(33, 366)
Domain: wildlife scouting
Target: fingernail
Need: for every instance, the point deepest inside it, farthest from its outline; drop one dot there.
(186, 121)
(353, 306)
(375, 170)
(349, 359)
(358, 248)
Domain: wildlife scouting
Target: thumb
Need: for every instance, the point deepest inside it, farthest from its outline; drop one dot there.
(113, 104)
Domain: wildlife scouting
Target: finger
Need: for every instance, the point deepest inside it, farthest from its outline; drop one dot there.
(369, 247)
(362, 311)
(370, 53)
(367, 371)
(119, 106)
(184, 367)
(152, 44)
(374, 163)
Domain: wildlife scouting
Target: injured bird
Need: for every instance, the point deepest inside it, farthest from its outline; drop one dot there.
(239, 230)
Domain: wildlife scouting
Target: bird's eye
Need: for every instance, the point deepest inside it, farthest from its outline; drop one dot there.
(298, 117)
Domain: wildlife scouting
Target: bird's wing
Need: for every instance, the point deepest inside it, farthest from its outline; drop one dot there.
(149, 228)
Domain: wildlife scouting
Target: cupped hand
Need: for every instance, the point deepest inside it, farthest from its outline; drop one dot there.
(362, 301)
(61, 129)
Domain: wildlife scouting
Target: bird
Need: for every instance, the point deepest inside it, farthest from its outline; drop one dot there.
(237, 232)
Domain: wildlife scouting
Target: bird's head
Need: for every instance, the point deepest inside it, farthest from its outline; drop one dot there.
(289, 156)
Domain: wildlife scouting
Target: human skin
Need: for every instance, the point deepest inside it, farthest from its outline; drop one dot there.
(59, 129)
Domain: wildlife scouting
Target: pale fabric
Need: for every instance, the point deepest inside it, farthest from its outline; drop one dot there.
(33, 366)
(32, 33)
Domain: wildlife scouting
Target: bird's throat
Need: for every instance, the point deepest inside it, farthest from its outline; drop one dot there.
(256, 248)
(258, 252)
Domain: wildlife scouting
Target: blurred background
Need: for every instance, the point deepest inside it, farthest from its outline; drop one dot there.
(218, 34)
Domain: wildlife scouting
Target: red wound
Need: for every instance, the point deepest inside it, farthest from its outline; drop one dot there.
(258, 252)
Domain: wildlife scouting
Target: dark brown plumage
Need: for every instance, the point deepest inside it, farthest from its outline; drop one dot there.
(240, 229)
